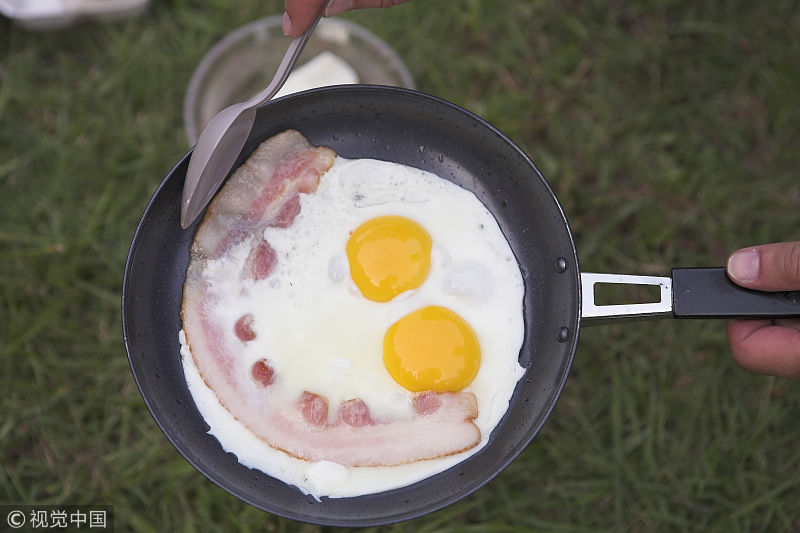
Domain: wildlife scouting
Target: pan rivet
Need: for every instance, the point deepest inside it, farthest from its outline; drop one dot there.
(563, 334)
(561, 265)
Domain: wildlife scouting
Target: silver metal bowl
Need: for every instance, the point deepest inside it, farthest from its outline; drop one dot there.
(243, 63)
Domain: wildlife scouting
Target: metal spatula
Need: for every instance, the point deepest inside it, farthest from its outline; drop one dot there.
(222, 139)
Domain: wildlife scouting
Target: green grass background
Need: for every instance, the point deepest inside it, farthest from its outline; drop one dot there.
(669, 129)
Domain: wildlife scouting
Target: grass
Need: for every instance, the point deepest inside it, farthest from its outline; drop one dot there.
(670, 131)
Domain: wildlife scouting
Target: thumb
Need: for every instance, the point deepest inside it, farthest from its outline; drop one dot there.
(769, 267)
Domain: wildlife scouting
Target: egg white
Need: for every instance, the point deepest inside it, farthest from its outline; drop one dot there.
(321, 335)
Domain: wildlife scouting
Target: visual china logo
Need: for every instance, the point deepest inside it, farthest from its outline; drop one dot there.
(63, 517)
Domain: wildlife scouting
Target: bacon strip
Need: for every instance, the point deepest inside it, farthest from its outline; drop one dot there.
(244, 328)
(447, 431)
(263, 373)
(260, 261)
(355, 413)
(264, 192)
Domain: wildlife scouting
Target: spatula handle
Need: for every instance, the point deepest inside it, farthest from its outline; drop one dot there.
(285, 67)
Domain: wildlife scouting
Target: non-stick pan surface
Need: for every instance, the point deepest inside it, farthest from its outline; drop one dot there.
(405, 127)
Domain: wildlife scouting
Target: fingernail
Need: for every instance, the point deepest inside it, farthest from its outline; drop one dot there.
(744, 265)
(287, 24)
(336, 7)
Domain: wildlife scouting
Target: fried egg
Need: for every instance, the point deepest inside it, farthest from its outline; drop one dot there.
(390, 281)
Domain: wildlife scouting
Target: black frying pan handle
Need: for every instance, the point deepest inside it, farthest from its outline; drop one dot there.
(688, 293)
(709, 293)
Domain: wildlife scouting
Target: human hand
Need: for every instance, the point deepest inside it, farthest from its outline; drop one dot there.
(301, 13)
(767, 346)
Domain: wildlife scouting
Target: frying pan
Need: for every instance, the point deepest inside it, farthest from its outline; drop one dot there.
(419, 130)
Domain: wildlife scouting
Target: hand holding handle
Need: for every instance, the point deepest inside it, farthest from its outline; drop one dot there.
(709, 293)
(689, 293)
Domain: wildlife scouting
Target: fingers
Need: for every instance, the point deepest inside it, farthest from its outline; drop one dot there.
(767, 346)
(340, 6)
(769, 267)
(764, 347)
(301, 13)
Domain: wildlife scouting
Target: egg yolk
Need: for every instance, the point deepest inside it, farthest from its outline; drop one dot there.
(432, 348)
(388, 255)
